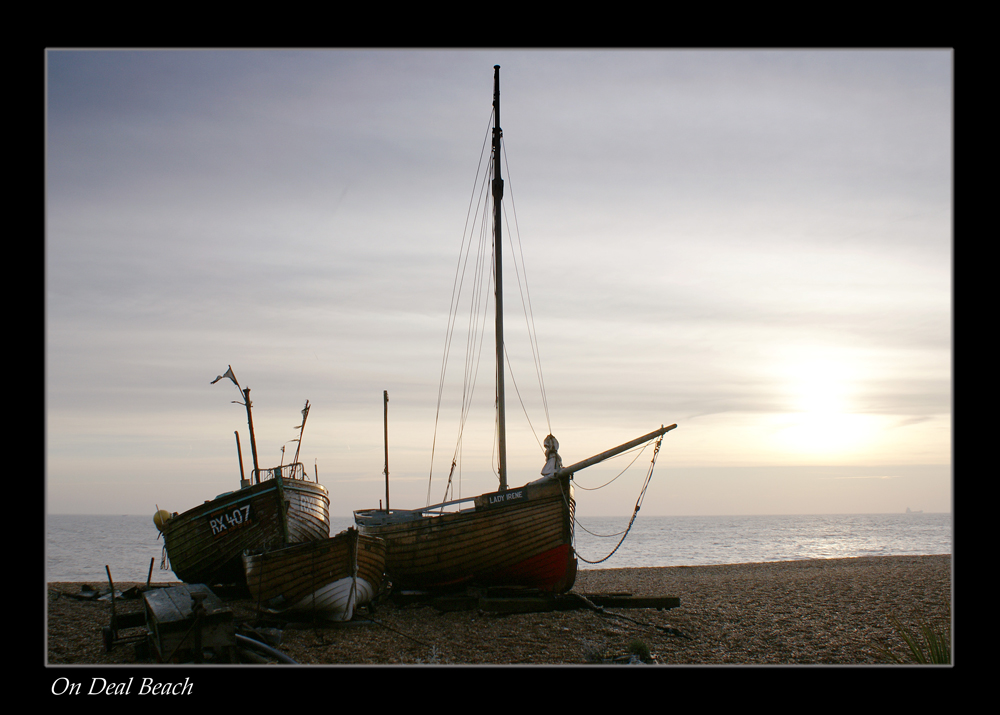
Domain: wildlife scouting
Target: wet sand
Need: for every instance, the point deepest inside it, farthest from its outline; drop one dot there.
(832, 611)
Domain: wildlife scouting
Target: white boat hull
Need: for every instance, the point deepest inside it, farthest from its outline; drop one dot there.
(328, 578)
(337, 601)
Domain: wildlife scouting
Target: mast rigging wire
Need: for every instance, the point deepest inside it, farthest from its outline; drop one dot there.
(452, 312)
(526, 294)
(480, 302)
(523, 408)
(640, 449)
(480, 294)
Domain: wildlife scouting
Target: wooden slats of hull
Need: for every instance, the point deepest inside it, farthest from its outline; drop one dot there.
(291, 573)
(371, 560)
(308, 511)
(318, 575)
(527, 543)
(204, 544)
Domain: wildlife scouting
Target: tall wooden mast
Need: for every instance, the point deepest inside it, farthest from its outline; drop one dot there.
(498, 278)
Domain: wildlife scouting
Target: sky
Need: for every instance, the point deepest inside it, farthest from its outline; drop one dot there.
(754, 245)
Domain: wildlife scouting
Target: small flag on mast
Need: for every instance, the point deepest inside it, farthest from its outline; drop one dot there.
(229, 374)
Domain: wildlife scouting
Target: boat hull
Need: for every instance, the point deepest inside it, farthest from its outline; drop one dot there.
(329, 577)
(521, 537)
(205, 544)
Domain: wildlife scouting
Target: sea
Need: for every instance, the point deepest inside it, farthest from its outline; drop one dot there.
(85, 548)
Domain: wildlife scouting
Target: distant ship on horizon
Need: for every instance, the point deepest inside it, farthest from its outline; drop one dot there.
(910, 511)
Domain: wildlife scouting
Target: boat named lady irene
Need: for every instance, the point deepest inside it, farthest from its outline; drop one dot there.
(519, 537)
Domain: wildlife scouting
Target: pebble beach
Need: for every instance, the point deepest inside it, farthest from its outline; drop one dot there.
(824, 611)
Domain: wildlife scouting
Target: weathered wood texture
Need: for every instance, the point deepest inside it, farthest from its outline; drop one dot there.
(330, 575)
(523, 543)
(205, 544)
(175, 627)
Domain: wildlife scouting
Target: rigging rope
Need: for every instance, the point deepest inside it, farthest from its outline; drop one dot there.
(635, 513)
(594, 489)
(472, 362)
(523, 408)
(478, 218)
(480, 296)
(455, 293)
(525, 293)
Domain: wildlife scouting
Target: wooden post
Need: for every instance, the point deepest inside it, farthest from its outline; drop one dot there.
(385, 398)
(253, 442)
(111, 585)
(239, 456)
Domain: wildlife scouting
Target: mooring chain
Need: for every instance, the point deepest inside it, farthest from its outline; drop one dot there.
(604, 612)
(390, 628)
(635, 513)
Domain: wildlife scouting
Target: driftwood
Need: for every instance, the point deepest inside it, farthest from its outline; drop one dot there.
(532, 601)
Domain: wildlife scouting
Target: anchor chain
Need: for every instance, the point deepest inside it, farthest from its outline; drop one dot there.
(638, 504)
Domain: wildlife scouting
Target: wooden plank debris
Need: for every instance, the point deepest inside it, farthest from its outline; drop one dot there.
(186, 620)
(531, 601)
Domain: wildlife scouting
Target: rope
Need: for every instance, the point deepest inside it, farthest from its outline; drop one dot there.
(523, 408)
(525, 292)
(398, 632)
(591, 489)
(479, 305)
(600, 536)
(455, 293)
(638, 505)
(600, 610)
(480, 296)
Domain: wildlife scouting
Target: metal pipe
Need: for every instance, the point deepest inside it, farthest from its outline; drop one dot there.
(264, 648)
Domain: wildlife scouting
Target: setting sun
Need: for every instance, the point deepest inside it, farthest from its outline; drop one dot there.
(821, 421)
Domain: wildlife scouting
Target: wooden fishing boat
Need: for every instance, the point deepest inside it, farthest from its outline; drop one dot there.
(205, 544)
(329, 577)
(277, 507)
(519, 537)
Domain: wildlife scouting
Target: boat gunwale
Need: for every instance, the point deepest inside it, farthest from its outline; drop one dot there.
(250, 492)
(374, 518)
(197, 556)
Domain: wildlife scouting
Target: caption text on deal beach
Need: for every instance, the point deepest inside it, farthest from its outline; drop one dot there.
(100, 686)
